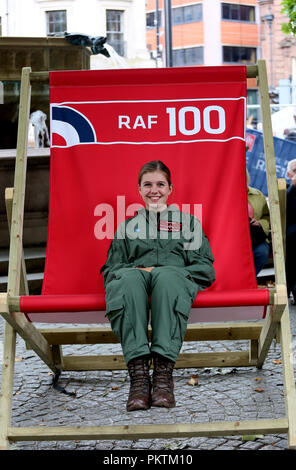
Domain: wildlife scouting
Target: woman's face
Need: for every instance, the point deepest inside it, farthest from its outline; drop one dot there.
(155, 190)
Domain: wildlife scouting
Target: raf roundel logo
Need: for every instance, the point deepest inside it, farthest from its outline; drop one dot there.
(70, 127)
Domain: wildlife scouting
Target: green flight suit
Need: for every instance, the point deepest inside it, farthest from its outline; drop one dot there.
(174, 243)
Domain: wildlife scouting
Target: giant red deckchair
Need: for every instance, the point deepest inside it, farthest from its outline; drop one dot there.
(105, 125)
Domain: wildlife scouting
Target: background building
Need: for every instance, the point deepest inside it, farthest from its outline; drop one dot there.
(122, 21)
(208, 32)
(279, 51)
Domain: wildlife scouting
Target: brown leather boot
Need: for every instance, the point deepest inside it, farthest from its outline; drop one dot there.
(162, 382)
(140, 387)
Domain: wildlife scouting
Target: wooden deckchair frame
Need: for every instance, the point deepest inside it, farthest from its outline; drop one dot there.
(47, 343)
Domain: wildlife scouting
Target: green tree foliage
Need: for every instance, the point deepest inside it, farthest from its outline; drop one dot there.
(289, 8)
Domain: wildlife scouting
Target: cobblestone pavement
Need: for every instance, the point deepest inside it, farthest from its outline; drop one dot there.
(221, 394)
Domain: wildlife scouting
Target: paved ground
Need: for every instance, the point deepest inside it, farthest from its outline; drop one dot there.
(221, 394)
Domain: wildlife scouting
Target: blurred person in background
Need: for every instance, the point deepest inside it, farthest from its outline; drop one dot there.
(291, 231)
(259, 226)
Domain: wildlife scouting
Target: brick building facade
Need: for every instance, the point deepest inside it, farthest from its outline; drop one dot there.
(278, 49)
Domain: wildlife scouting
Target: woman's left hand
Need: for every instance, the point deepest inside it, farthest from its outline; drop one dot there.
(149, 269)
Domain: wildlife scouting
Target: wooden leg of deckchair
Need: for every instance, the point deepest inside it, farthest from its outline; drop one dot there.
(278, 318)
(7, 385)
(9, 348)
(28, 332)
(288, 376)
(271, 323)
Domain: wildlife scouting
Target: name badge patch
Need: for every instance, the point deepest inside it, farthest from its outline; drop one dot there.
(166, 226)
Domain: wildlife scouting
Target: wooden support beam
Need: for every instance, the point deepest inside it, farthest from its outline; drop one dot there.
(57, 355)
(195, 332)
(7, 384)
(149, 431)
(24, 289)
(253, 351)
(28, 332)
(288, 376)
(279, 314)
(271, 324)
(273, 195)
(275, 313)
(17, 217)
(252, 71)
(186, 360)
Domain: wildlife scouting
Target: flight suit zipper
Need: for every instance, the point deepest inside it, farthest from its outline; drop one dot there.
(157, 237)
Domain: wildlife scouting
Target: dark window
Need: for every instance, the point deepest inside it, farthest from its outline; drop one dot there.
(232, 11)
(239, 54)
(114, 30)
(56, 22)
(151, 19)
(187, 14)
(188, 56)
(252, 99)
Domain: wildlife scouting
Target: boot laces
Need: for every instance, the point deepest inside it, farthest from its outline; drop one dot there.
(162, 377)
(139, 375)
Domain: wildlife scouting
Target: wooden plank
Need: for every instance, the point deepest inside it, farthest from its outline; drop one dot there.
(252, 71)
(39, 77)
(149, 431)
(7, 385)
(8, 154)
(187, 360)
(278, 314)
(195, 332)
(57, 356)
(269, 330)
(253, 351)
(16, 232)
(24, 289)
(272, 185)
(288, 375)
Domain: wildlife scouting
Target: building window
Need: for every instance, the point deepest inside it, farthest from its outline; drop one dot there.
(252, 99)
(114, 30)
(236, 54)
(56, 22)
(232, 11)
(151, 19)
(187, 14)
(188, 56)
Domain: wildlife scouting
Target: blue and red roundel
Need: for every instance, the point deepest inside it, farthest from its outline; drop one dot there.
(70, 127)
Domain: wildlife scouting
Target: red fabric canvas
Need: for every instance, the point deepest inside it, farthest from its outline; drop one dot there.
(105, 124)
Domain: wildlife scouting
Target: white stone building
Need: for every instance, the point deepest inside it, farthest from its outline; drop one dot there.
(123, 22)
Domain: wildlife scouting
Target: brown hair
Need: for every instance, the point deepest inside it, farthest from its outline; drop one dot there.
(155, 165)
